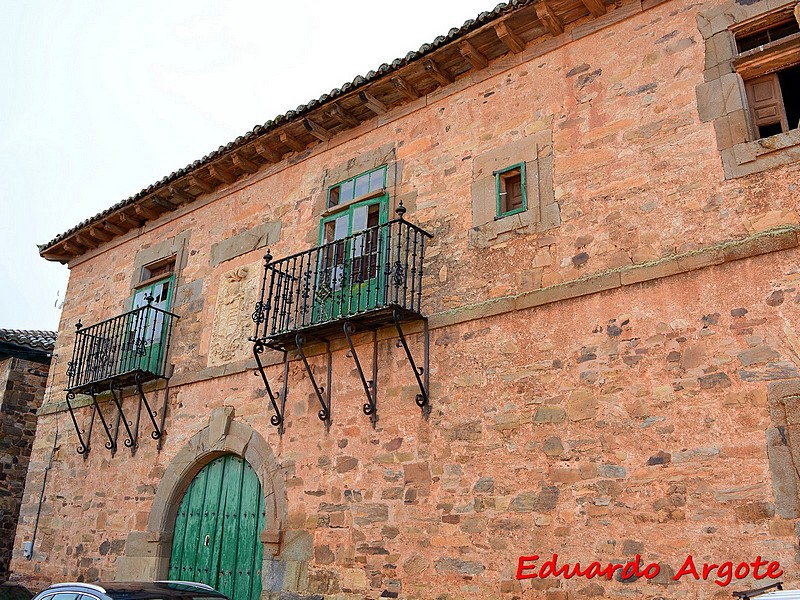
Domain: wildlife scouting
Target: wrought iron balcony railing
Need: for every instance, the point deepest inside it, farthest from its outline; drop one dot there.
(360, 282)
(364, 277)
(127, 349)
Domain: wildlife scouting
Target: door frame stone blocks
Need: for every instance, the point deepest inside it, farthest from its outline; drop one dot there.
(147, 553)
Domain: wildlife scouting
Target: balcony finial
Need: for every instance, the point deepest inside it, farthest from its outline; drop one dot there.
(78, 325)
(400, 210)
(149, 298)
(268, 257)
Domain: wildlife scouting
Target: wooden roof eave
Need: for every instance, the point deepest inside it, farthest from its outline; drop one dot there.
(299, 131)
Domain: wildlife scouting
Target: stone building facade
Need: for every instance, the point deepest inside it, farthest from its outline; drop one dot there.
(24, 365)
(609, 300)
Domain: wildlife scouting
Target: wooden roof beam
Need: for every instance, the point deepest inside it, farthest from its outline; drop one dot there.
(201, 185)
(72, 250)
(341, 115)
(245, 164)
(318, 131)
(509, 38)
(405, 88)
(440, 74)
(475, 57)
(181, 195)
(100, 234)
(267, 153)
(87, 243)
(287, 139)
(221, 174)
(134, 221)
(164, 203)
(145, 212)
(549, 18)
(113, 228)
(60, 254)
(596, 7)
(375, 105)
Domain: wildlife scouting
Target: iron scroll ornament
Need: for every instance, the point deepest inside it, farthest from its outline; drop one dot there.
(324, 413)
(277, 418)
(421, 398)
(83, 449)
(370, 407)
(157, 431)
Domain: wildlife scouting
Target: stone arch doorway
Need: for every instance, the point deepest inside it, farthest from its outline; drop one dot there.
(147, 553)
(217, 534)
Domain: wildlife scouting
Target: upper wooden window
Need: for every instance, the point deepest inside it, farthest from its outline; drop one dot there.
(360, 187)
(748, 40)
(769, 63)
(157, 270)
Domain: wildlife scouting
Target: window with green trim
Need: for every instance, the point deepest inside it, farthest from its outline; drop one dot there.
(510, 190)
(147, 329)
(358, 187)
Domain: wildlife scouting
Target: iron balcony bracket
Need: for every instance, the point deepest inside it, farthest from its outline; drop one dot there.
(157, 431)
(280, 411)
(130, 442)
(163, 417)
(111, 444)
(325, 412)
(84, 447)
(370, 408)
(421, 373)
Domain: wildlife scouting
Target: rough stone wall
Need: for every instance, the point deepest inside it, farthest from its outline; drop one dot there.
(22, 386)
(631, 421)
(618, 415)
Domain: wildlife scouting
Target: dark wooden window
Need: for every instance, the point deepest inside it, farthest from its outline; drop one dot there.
(157, 270)
(768, 63)
(748, 41)
(774, 102)
(510, 188)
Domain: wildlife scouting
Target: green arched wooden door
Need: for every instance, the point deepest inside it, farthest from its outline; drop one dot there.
(218, 527)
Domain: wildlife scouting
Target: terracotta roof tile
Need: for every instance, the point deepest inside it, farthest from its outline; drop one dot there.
(32, 339)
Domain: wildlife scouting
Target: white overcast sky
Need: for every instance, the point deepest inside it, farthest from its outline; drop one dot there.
(101, 98)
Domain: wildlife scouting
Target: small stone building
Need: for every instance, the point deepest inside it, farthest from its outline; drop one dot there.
(24, 364)
(531, 290)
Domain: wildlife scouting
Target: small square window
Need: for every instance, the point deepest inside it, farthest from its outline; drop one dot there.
(510, 189)
(157, 270)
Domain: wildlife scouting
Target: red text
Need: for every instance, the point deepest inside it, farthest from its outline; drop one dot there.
(722, 574)
(527, 569)
(726, 572)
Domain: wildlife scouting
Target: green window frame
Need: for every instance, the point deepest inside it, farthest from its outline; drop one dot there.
(361, 186)
(351, 269)
(158, 281)
(505, 181)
